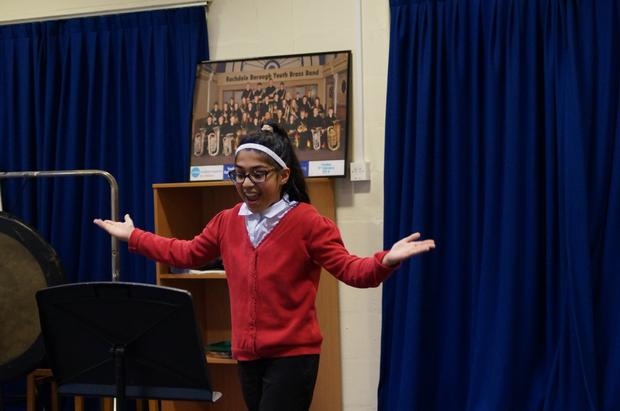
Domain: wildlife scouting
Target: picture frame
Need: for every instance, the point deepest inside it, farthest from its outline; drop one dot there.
(307, 94)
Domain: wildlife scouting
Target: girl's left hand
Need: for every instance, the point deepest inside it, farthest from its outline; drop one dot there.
(406, 248)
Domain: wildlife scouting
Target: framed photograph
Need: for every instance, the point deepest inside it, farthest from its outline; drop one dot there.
(308, 94)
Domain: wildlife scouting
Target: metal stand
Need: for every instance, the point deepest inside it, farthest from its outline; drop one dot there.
(118, 353)
(126, 340)
(73, 173)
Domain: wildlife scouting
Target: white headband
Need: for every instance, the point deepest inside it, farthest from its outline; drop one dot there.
(266, 150)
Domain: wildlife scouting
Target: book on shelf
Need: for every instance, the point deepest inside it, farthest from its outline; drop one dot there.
(214, 267)
(220, 349)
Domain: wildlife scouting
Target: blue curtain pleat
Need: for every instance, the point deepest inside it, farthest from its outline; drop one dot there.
(113, 93)
(502, 144)
(109, 92)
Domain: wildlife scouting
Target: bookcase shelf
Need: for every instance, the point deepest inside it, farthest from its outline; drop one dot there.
(182, 210)
(221, 275)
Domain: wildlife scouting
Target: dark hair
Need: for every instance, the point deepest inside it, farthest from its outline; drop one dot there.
(279, 142)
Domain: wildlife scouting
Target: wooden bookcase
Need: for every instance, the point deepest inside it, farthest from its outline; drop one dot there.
(182, 210)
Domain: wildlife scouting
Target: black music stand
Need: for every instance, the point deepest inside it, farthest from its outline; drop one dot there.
(124, 340)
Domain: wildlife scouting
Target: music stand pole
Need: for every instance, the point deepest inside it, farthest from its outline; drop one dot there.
(119, 371)
(70, 173)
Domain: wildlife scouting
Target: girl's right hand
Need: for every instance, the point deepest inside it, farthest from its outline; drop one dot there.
(118, 229)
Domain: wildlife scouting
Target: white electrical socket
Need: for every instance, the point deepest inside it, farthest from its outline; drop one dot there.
(360, 171)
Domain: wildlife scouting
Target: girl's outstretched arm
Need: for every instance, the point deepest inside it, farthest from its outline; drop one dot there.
(121, 230)
(406, 248)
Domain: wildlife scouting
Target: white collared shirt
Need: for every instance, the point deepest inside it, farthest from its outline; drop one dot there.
(261, 224)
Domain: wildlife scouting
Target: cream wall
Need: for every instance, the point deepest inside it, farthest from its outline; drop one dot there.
(251, 28)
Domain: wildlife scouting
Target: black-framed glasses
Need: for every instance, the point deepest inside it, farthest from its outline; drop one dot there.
(255, 176)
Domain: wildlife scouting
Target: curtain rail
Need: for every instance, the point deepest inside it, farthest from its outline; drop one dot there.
(205, 3)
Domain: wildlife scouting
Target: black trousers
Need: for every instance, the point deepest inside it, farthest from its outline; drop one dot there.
(279, 384)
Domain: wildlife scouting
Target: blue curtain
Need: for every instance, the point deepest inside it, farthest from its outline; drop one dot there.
(113, 93)
(110, 92)
(502, 144)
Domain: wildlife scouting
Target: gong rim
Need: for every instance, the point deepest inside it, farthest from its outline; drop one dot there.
(32, 354)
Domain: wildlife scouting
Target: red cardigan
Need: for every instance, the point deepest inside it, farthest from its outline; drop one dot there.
(273, 286)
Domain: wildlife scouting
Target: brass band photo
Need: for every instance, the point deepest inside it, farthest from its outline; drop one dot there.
(306, 94)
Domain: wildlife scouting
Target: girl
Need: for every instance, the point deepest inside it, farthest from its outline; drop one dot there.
(273, 245)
